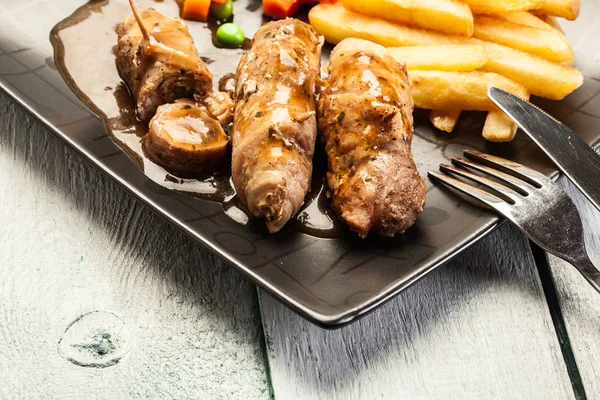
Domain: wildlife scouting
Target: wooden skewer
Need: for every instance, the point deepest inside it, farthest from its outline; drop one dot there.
(151, 48)
(140, 21)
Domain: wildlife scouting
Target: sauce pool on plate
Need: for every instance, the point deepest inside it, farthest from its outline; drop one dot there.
(91, 73)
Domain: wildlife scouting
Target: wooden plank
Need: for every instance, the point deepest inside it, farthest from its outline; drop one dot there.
(579, 302)
(477, 328)
(180, 323)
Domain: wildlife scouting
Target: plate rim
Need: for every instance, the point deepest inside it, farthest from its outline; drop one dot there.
(328, 321)
(332, 320)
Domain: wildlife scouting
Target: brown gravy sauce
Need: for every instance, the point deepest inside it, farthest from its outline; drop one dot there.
(84, 46)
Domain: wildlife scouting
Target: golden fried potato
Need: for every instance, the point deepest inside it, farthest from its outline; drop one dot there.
(546, 22)
(568, 9)
(524, 18)
(449, 72)
(446, 16)
(499, 127)
(444, 120)
(455, 57)
(551, 21)
(440, 90)
(501, 6)
(546, 43)
(541, 77)
(336, 23)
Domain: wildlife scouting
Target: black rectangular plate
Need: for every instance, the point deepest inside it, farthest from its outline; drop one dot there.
(330, 281)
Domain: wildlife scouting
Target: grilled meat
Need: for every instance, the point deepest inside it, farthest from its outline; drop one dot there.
(274, 129)
(184, 138)
(219, 105)
(365, 117)
(159, 62)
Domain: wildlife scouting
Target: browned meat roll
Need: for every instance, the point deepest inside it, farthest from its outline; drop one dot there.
(274, 129)
(158, 60)
(184, 138)
(365, 117)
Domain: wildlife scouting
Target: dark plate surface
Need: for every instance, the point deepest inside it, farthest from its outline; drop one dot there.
(330, 281)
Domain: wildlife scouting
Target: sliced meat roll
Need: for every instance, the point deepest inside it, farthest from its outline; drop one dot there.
(275, 128)
(158, 60)
(184, 138)
(365, 118)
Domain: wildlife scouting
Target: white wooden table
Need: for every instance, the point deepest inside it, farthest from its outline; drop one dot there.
(492, 324)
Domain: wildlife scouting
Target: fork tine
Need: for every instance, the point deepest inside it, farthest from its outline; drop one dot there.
(499, 190)
(512, 182)
(520, 171)
(467, 189)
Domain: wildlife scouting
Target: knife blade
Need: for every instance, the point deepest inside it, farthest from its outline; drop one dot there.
(574, 157)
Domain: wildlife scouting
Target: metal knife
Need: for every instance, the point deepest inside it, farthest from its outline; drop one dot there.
(574, 157)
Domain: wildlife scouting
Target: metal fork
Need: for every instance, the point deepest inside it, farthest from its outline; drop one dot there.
(534, 203)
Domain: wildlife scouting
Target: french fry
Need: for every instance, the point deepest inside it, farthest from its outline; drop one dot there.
(524, 18)
(546, 43)
(444, 120)
(446, 16)
(568, 9)
(437, 85)
(456, 57)
(498, 127)
(541, 77)
(551, 21)
(541, 21)
(336, 23)
(501, 6)
(441, 90)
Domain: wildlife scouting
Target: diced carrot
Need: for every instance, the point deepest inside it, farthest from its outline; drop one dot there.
(280, 9)
(196, 10)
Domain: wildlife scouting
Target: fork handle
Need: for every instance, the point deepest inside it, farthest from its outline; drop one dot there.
(589, 271)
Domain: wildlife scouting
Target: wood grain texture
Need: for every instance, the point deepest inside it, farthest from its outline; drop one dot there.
(476, 328)
(579, 302)
(74, 242)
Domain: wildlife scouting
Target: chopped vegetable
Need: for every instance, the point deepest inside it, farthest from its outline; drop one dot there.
(280, 9)
(196, 10)
(219, 1)
(222, 10)
(230, 35)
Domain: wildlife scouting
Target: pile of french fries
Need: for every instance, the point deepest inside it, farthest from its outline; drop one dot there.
(456, 49)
